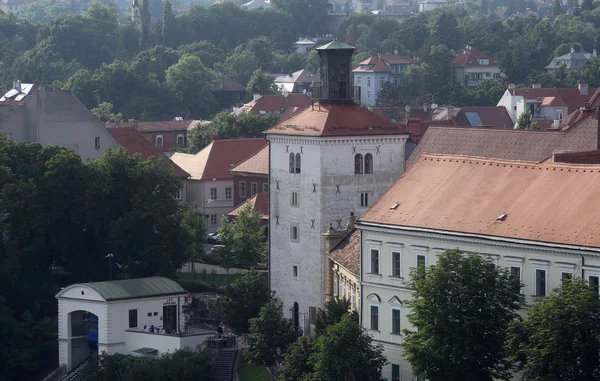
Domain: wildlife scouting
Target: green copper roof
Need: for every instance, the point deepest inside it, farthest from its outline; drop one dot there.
(135, 288)
(336, 45)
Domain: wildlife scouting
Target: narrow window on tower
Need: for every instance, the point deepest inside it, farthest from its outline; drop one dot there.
(292, 163)
(358, 164)
(368, 164)
(298, 163)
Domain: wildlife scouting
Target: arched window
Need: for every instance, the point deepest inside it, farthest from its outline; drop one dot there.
(358, 164)
(297, 163)
(368, 164)
(292, 165)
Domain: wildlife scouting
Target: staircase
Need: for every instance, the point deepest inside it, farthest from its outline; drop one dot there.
(224, 365)
(76, 373)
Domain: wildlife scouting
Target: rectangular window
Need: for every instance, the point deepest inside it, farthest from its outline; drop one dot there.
(375, 318)
(395, 372)
(559, 114)
(381, 81)
(374, 261)
(133, 322)
(180, 140)
(294, 233)
(265, 187)
(358, 81)
(158, 141)
(213, 193)
(421, 260)
(396, 264)
(295, 271)
(253, 189)
(595, 283)
(516, 272)
(395, 321)
(242, 189)
(178, 194)
(364, 199)
(369, 94)
(368, 81)
(97, 142)
(213, 219)
(566, 275)
(228, 193)
(294, 199)
(540, 282)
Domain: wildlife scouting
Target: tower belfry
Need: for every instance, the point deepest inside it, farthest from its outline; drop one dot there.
(336, 84)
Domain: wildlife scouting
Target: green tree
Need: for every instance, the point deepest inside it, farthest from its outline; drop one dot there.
(192, 222)
(334, 310)
(296, 362)
(239, 66)
(261, 83)
(525, 121)
(439, 82)
(587, 5)
(560, 338)
(244, 236)
(591, 71)
(245, 297)
(145, 19)
(168, 25)
(390, 95)
(262, 49)
(311, 17)
(313, 62)
(269, 332)
(566, 48)
(155, 61)
(444, 29)
(42, 11)
(104, 113)
(556, 8)
(460, 310)
(192, 83)
(338, 352)
(208, 53)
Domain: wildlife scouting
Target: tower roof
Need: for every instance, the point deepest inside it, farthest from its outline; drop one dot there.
(336, 120)
(336, 45)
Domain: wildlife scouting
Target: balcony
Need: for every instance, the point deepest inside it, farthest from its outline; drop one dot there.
(337, 94)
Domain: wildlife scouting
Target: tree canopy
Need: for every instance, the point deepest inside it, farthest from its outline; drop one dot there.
(245, 297)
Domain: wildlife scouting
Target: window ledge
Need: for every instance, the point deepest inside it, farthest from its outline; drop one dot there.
(375, 274)
(375, 330)
(396, 277)
(538, 296)
(396, 334)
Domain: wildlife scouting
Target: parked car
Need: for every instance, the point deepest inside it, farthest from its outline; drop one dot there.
(213, 238)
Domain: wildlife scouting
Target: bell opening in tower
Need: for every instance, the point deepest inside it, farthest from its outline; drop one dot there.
(336, 85)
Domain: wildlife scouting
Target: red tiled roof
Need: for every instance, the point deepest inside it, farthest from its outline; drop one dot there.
(493, 116)
(471, 58)
(450, 193)
(228, 84)
(134, 142)
(514, 145)
(155, 126)
(380, 61)
(257, 164)
(336, 120)
(347, 252)
(259, 201)
(572, 98)
(217, 159)
(283, 106)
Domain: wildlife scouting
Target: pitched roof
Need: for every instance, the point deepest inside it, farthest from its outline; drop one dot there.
(228, 84)
(572, 98)
(347, 252)
(336, 120)
(471, 58)
(504, 144)
(379, 63)
(284, 106)
(133, 288)
(450, 193)
(569, 57)
(216, 159)
(336, 45)
(255, 164)
(154, 126)
(493, 116)
(259, 201)
(299, 76)
(134, 142)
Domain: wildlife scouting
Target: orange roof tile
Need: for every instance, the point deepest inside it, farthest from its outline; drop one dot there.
(347, 252)
(259, 201)
(218, 158)
(278, 104)
(569, 97)
(135, 142)
(255, 164)
(456, 194)
(336, 120)
(471, 58)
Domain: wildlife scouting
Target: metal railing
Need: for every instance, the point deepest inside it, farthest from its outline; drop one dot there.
(345, 94)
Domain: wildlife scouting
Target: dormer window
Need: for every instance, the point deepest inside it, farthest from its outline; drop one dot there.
(484, 61)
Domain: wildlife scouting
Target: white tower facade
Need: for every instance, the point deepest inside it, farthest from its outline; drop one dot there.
(326, 162)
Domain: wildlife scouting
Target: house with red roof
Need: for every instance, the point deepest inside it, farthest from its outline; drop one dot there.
(283, 105)
(251, 177)
(473, 66)
(372, 73)
(167, 136)
(210, 184)
(545, 104)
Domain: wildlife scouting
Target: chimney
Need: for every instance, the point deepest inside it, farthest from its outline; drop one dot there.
(449, 112)
(18, 86)
(351, 221)
(256, 97)
(214, 137)
(572, 50)
(594, 52)
(583, 88)
(536, 86)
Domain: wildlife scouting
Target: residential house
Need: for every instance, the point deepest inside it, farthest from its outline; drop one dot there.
(550, 104)
(134, 142)
(251, 177)
(229, 92)
(572, 60)
(259, 202)
(363, 6)
(473, 66)
(257, 4)
(304, 46)
(277, 104)
(110, 317)
(340, 7)
(211, 184)
(483, 116)
(474, 204)
(12, 6)
(325, 161)
(297, 82)
(429, 5)
(36, 114)
(168, 136)
(373, 72)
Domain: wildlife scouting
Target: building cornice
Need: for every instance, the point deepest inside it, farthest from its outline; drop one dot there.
(338, 140)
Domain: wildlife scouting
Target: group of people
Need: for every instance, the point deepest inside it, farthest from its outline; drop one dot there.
(153, 329)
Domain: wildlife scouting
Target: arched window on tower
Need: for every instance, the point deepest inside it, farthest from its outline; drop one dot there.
(368, 164)
(292, 163)
(358, 164)
(297, 163)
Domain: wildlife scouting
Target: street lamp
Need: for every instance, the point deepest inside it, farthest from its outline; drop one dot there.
(110, 256)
